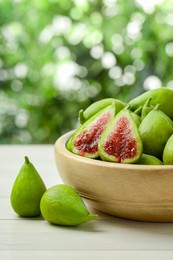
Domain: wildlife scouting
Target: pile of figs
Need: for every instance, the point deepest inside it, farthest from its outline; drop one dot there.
(139, 132)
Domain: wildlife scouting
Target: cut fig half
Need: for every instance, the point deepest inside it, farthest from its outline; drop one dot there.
(84, 141)
(121, 141)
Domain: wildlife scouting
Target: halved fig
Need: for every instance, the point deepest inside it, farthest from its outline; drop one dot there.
(84, 141)
(121, 141)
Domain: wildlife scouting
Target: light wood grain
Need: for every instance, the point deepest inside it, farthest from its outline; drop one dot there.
(85, 255)
(36, 234)
(138, 192)
(34, 238)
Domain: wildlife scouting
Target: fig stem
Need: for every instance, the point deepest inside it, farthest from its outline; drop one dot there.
(156, 108)
(128, 106)
(92, 217)
(147, 104)
(27, 160)
(81, 116)
(138, 110)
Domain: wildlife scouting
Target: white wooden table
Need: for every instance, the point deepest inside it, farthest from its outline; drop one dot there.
(106, 238)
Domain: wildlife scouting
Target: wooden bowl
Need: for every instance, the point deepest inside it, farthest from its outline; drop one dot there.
(138, 192)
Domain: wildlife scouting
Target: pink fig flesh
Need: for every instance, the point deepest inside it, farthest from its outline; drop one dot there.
(121, 141)
(87, 141)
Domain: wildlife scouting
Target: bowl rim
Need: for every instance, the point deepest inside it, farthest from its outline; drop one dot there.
(60, 145)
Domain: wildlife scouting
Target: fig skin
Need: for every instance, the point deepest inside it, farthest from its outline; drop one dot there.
(62, 205)
(27, 190)
(89, 141)
(162, 96)
(147, 107)
(155, 130)
(97, 106)
(138, 111)
(136, 118)
(147, 159)
(129, 135)
(135, 115)
(168, 152)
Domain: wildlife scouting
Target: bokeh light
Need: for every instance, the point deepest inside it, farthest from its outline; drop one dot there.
(57, 57)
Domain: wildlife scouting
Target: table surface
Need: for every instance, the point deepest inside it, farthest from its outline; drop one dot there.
(106, 238)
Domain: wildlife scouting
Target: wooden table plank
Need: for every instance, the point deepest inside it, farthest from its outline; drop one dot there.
(85, 255)
(108, 237)
(114, 234)
(12, 158)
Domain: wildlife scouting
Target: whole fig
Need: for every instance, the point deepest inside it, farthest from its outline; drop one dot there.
(168, 152)
(97, 106)
(162, 96)
(155, 130)
(147, 159)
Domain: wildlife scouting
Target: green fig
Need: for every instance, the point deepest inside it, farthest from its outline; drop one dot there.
(135, 115)
(27, 191)
(168, 151)
(136, 118)
(138, 111)
(155, 130)
(84, 141)
(147, 159)
(95, 107)
(162, 96)
(121, 142)
(62, 205)
(147, 107)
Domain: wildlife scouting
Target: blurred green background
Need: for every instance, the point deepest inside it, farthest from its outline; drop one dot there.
(57, 57)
